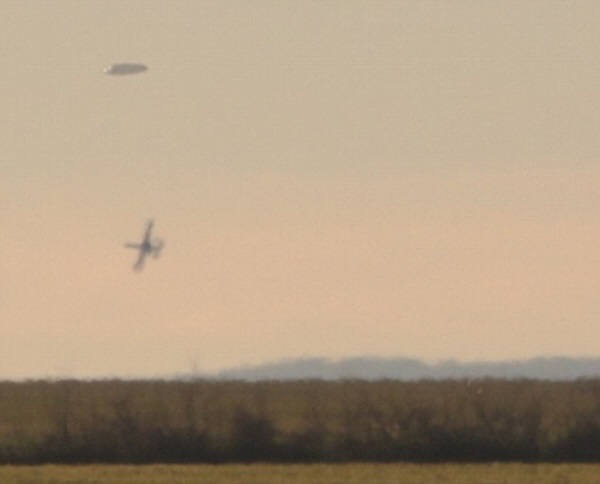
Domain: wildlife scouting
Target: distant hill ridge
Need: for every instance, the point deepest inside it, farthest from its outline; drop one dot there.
(372, 368)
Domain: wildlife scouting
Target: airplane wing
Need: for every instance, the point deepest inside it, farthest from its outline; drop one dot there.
(129, 245)
(148, 230)
(139, 264)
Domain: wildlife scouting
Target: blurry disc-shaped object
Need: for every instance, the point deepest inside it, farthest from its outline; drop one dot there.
(125, 69)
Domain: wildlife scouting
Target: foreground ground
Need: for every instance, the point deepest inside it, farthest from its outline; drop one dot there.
(305, 474)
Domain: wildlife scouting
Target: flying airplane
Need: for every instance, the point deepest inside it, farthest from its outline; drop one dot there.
(148, 246)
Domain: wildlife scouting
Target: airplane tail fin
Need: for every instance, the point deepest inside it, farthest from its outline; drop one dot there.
(156, 250)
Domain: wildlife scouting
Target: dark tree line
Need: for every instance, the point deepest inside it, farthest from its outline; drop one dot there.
(303, 421)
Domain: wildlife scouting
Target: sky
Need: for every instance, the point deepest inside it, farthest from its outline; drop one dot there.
(342, 178)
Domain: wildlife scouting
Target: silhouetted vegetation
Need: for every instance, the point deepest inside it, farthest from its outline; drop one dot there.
(305, 421)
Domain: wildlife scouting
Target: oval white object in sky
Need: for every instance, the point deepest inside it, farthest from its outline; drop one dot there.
(125, 68)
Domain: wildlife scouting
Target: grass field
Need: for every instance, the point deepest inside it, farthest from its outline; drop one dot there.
(306, 474)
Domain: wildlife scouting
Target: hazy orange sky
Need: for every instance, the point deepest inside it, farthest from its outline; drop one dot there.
(340, 178)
